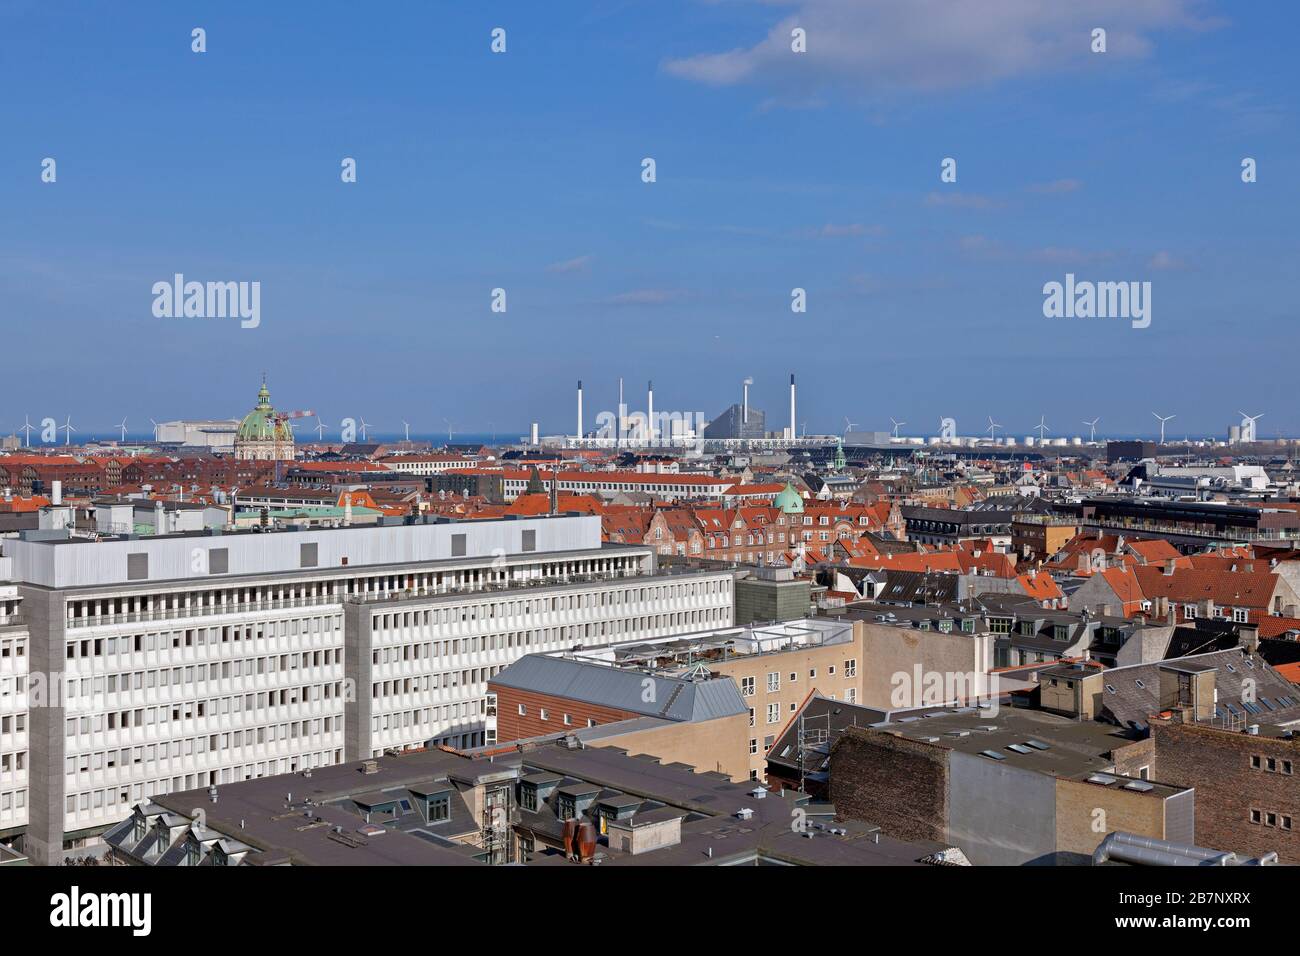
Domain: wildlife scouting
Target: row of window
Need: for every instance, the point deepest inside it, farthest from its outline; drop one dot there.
(431, 682)
(208, 743)
(99, 801)
(1268, 818)
(545, 714)
(203, 637)
(214, 707)
(1270, 764)
(774, 677)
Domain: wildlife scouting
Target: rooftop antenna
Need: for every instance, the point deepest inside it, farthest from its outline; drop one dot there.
(1163, 419)
(1092, 430)
(993, 429)
(68, 430)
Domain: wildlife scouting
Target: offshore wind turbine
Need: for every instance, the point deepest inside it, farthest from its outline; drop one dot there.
(123, 428)
(1163, 419)
(67, 431)
(993, 429)
(1092, 429)
(27, 428)
(320, 429)
(1041, 428)
(897, 425)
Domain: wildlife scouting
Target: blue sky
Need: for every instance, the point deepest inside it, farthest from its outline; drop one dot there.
(775, 170)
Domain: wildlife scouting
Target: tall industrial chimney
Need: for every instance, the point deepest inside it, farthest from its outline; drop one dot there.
(622, 417)
(579, 409)
(793, 434)
(650, 411)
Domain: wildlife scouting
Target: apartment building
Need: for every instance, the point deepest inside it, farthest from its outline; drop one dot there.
(13, 704)
(774, 667)
(606, 484)
(166, 663)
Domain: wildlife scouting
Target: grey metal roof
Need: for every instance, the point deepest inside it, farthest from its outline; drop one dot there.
(667, 697)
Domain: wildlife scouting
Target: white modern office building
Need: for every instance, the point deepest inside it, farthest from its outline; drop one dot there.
(162, 663)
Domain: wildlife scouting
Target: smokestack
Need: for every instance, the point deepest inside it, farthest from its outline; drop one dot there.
(744, 414)
(347, 510)
(793, 433)
(650, 411)
(56, 493)
(622, 416)
(579, 411)
(535, 442)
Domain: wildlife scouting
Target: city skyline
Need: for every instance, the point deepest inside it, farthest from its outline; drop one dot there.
(527, 176)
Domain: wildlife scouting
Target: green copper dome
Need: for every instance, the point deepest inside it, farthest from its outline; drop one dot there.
(789, 500)
(261, 423)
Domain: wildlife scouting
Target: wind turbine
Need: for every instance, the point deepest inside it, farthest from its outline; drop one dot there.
(450, 429)
(993, 429)
(1163, 419)
(1041, 428)
(364, 425)
(156, 426)
(848, 425)
(320, 429)
(407, 426)
(27, 428)
(1248, 425)
(897, 425)
(123, 427)
(1092, 429)
(67, 431)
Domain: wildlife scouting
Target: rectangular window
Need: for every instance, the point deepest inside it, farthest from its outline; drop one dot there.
(307, 555)
(773, 682)
(218, 560)
(773, 713)
(137, 566)
(458, 546)
(747, 686)
(530, 541)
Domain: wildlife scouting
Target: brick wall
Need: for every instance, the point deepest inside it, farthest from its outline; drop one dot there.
(1218, 764)
(511, 725)
(898, 784)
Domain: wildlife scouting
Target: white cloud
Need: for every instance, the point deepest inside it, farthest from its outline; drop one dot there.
(876, 46)
(1165, 262)
(646, 297)
(1057, 186)
(578, 264)
(958, 200)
